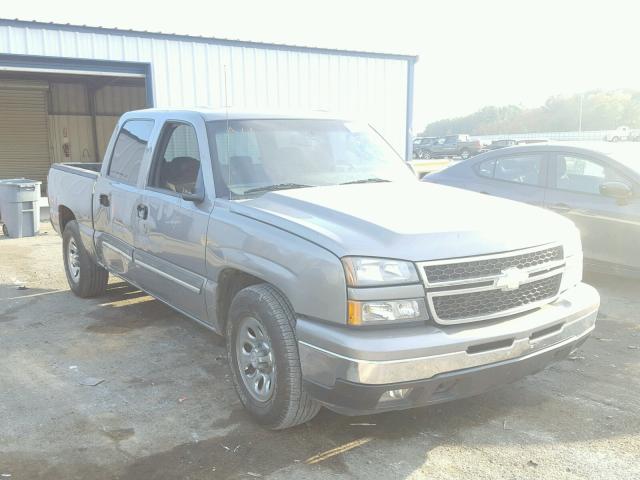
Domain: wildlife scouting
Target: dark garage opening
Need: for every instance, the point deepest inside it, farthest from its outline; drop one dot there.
(59, 117)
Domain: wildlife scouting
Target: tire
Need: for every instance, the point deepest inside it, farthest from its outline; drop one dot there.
(615, 139)
(426, 155)
(265, 311)
(85, 277)
(5, 230)
(465, 153)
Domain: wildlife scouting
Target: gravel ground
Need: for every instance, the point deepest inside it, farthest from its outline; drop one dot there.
(123, 387)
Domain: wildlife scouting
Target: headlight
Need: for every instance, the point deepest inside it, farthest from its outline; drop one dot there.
(385, 311)
(373, 272)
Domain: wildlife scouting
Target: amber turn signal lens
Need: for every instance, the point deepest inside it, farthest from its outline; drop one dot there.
(354, 313)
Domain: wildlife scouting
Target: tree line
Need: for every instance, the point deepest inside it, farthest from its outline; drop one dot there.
(601, 110)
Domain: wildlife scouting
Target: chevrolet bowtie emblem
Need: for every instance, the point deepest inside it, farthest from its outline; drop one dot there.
(511, 279)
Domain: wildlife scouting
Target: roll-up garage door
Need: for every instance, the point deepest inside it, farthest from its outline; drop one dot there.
(24, 139)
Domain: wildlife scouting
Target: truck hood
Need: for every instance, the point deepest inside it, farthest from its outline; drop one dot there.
(414, 221)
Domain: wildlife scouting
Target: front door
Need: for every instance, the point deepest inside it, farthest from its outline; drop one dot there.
(170, 247)
(610, 228)
(117, 196)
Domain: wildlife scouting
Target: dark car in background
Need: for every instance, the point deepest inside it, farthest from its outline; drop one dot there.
(497, 144)
(529, 141)
(596, 187)
(452, 146)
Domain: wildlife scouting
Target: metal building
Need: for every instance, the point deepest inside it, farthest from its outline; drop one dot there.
(62, 87)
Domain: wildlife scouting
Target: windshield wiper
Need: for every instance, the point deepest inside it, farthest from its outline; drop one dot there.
(273, 188)
(366, 180)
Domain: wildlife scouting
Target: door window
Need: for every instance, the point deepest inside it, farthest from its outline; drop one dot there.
(525, 169)
(486, 168)
(583, 175)
(128, 151)
(177, 164)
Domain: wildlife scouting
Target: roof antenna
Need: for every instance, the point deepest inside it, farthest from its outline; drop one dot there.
(226, 109)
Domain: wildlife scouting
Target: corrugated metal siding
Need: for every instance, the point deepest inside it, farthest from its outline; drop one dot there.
(67, 98)
(115, 100)
(70, 120)
(79, 135)
(105, 126)
(187, 73)
(24, 145)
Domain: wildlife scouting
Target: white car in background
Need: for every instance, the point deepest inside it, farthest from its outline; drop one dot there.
(623, 134)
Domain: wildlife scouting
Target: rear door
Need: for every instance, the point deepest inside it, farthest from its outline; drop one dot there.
(117, 195)
(610, 228)
(170, 246)
(517, 176)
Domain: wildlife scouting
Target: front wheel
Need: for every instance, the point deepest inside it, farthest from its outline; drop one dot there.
(615, 139)
(85, 277)
(263, 357)
(465, 153)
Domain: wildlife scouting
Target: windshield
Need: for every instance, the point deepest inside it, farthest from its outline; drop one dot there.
(255, 156)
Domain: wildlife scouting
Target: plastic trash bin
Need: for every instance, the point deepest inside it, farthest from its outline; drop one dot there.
(19, 207)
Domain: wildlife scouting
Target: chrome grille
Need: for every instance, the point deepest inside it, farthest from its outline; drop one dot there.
(462, 306)
(463, 270)
(491, 286)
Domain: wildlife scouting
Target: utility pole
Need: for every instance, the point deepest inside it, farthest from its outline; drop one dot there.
(580, 117)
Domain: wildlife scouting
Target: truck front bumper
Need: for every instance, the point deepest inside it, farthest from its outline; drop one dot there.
(356, 371)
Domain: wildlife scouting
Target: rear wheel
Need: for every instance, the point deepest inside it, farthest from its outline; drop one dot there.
(615, 139)
(465, 153)
(85, 277)
(5, 230)
(263, 358)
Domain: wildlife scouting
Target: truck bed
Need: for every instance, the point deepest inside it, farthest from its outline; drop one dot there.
(79, 168)
(70, 187)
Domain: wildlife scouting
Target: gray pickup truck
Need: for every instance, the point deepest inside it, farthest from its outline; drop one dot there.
(337, 278)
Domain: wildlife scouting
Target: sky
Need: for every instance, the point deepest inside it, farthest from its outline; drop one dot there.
(472, 53)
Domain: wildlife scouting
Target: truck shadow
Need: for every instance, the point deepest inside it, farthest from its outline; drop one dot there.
(124, 308)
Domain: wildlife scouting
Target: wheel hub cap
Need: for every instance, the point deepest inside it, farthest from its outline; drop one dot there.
(255, 359)
(73, 260)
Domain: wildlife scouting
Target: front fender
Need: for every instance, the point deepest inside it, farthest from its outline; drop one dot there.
(311, 277)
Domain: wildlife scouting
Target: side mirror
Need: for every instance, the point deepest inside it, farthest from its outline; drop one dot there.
(197, 197)
(617, 190)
